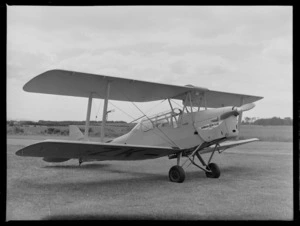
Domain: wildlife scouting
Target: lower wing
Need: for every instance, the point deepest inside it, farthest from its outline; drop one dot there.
(227, 144)
(58, 150)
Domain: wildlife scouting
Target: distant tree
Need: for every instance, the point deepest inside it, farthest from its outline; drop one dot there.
(247, 120)
(82, 130)
(53, 131)
(275, 121)
(288, 121)
(18, 130)
(10, 123)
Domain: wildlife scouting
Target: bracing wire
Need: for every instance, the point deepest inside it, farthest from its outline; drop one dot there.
(151, 122)
(140, 110)
(151, 109)
(121, 110)
(176, 103)
(147, 111)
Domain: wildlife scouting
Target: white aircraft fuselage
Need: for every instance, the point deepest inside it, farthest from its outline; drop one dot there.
(185, 130)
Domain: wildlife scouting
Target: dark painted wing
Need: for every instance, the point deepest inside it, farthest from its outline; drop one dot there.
(93, 150)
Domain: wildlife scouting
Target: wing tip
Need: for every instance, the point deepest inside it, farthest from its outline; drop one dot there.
(30, 85)
(19, 152)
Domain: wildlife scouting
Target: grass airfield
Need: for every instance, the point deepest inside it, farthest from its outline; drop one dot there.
(256, 183)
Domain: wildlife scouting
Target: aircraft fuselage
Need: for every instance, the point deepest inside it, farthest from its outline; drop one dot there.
(185, 131)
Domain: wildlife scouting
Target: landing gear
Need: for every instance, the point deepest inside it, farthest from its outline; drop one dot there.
(177, 174)
(80, 161)
(214, 170)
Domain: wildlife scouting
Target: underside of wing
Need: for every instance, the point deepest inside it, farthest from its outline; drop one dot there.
(56, 150)
(227, 144)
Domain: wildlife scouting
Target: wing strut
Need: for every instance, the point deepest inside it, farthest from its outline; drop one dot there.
(88, 115)
(172, 113)
(104, 111)
(240, 118)
(205, 104)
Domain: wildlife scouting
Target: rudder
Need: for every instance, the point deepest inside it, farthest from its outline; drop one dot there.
(75, 133)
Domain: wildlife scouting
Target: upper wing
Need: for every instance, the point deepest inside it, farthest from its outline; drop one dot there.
(93, 150)
(227, 144)
(216, 99)
(70, 83)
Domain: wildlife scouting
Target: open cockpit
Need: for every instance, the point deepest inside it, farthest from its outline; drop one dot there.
(163, 119)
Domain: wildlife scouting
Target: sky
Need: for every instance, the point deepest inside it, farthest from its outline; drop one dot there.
(237, 49)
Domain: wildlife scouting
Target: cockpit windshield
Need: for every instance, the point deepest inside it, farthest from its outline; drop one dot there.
(163, 119)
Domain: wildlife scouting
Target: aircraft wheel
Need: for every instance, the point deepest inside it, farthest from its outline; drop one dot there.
(176, 174)
(215, 171)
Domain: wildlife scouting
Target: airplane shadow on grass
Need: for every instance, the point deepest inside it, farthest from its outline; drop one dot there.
(89, 217)
(162, 216)
(136, 177)
(106, 167)
(77, 167)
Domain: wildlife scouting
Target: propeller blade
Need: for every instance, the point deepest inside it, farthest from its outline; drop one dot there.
(245, 107)
(228, 114)
(237, 110)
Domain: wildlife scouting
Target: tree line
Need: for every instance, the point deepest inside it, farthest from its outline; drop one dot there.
(58, 123)
(275, 121)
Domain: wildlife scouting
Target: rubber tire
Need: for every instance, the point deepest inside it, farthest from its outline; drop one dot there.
(215, 171)
(176, 174)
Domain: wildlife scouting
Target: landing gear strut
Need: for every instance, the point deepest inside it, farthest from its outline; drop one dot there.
(80, 161)
(177, 174)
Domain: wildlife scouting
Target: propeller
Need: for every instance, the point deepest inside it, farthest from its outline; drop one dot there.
(245, 107)
(237, 110)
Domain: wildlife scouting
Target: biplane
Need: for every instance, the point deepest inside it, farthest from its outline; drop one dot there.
(207, 122)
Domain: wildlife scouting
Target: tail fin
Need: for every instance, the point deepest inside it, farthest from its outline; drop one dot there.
(75, 133)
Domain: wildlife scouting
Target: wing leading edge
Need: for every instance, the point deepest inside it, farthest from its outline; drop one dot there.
(228, 144)
(93, 150)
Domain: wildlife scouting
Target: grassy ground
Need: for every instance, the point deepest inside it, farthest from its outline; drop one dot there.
(267, 133)
(255, 184)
